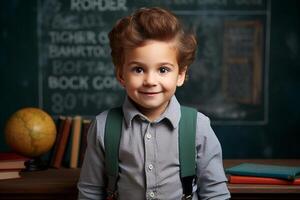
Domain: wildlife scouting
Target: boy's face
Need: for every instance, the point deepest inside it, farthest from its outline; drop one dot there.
(150, 75)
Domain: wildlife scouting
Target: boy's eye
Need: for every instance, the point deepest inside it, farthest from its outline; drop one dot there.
(137, 70)
(164, 69)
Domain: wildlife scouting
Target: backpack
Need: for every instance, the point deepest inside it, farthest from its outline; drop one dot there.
(187, 132)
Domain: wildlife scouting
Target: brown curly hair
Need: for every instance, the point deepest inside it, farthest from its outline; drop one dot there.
(151, 24)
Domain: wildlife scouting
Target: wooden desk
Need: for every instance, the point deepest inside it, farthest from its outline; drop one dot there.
(54, 184)
(61, 184)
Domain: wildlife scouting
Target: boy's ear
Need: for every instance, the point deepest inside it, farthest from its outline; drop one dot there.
(181, 76)
(120, 77)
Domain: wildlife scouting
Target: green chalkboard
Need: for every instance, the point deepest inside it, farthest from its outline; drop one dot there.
(76, 75)
(274, 117)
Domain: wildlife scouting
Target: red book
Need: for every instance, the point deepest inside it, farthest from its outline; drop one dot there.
(12, 161)
(261, 180)
(62, 143)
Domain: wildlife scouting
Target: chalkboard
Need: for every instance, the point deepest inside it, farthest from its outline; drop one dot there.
(242, 61)
(76, 75)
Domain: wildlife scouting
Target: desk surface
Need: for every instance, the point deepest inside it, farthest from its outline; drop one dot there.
(62, 182)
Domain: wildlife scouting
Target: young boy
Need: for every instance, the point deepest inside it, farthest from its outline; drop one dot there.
(151, 54)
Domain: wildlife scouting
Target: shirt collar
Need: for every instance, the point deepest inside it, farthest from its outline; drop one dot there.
(172, 112)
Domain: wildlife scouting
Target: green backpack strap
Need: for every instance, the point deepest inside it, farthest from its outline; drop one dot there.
(187, 134)
(112, 135)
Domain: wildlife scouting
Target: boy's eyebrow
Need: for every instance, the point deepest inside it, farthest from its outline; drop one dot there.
(135, 62)
(143, 64)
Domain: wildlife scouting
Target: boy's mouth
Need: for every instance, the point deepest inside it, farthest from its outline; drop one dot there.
(149, 93)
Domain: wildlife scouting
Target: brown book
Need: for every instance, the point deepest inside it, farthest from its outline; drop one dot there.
(76, 132)
(9, 174)
(12, 161)
(62, 143)
(60, 127)
(85, 127)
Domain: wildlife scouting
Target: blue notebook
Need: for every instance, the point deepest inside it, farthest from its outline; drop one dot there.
(263, 170)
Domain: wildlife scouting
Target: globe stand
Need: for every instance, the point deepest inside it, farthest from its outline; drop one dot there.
(35, 164)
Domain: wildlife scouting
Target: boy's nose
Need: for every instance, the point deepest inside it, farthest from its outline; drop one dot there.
(150, 79)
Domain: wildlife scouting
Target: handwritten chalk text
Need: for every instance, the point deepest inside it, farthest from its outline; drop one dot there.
(98, 5)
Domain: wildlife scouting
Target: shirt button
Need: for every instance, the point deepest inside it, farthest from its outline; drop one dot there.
(148, 136)
(151, 194)
(150, 167)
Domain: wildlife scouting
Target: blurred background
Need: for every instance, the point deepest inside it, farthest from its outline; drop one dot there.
(54, 54)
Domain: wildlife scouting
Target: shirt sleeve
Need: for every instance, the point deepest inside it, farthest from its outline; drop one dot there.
(92, 181)
(211, 179)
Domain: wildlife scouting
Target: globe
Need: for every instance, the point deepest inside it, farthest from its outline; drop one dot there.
(30, 132)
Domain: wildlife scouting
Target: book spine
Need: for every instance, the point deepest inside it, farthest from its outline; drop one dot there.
(262, 170)
(85, 128)
(9, 175)
(261, 180)
(260, 174)
(11, 156)
(62, 143)
(60, 128)
(76, 132)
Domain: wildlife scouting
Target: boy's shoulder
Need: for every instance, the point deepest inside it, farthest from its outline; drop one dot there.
(100, 118)
(102, 115)
(99, 121)
(201, 117)
(203, 125)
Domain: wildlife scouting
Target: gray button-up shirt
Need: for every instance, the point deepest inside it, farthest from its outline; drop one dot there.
(148, 158)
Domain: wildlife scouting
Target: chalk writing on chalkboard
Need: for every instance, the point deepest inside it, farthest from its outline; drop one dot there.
(242, 59)
(77, 74)
(226, 81)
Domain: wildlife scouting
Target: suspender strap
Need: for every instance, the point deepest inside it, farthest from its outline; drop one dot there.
(113, 130)
(187, 187)
(187, 133)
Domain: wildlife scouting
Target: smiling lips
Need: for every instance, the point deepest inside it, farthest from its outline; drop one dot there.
(149, 93)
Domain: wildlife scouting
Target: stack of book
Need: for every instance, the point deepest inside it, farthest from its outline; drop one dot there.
(69, 147)
(252, 173)
(11, 165)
